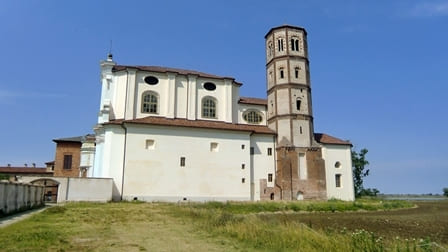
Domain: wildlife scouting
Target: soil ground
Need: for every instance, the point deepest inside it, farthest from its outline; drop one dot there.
(428, 219)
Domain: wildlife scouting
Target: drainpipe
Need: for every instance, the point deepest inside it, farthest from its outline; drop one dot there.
(125, 135)
(124, 158)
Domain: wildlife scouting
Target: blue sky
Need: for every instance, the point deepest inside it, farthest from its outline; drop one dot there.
(378, 70)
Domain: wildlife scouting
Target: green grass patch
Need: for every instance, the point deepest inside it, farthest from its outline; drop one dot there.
(212, 226)
(300, 206)
(275, 226)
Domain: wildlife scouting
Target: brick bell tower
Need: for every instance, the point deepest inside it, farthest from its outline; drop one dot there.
(300, 168)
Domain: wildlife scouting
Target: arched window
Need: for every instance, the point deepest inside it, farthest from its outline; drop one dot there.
(296, 71)
(252, 116)
(150, 102)
(270, 49)
(208, 107)
(294, 44)
(298, 103)
(280, 44)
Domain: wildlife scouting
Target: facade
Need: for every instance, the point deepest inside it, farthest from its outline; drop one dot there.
(74, 156)
(173, 134)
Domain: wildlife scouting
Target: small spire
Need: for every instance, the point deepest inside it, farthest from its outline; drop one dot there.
(109, 55)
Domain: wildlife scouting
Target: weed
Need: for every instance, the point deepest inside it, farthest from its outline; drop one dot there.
(56, 209)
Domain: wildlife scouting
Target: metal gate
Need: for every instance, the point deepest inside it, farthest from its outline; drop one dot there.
(51, 189)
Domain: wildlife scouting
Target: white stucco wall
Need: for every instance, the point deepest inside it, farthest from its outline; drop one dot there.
(113, 154)
(247, 107)
(87, 189)
(262, 162)
(338, 153)
(156, 174)
(179, 96)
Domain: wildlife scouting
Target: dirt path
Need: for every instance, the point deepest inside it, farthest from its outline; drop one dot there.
(166, 234)
(149, 229)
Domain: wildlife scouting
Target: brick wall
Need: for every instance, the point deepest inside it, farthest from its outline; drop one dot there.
(288, 183)
(67, 148)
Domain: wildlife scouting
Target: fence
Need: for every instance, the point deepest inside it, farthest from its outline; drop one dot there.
(16, 197)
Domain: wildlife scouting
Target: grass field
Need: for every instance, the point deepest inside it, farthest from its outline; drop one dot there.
(269, 226)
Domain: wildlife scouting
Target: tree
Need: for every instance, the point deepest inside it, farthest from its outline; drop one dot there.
(359, 164)
(445, 191)
(371, 192)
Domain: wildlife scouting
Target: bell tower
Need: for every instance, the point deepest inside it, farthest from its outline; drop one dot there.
(288, 83)
(300, 167)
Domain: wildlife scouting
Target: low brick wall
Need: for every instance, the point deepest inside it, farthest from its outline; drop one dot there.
(15, 197)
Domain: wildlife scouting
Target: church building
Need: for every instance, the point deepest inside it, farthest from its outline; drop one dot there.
(167, 134)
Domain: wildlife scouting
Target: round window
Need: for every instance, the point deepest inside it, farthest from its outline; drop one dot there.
(209, 86)
(337, 164)
(252, 116)
(151, 80)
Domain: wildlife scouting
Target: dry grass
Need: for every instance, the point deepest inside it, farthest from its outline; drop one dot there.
(220, 227)
(108, 227)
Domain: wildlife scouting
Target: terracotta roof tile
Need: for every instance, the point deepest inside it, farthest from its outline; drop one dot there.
(252, 100)
(197, 124)
(327, 139)
(31, 170)
(161, 69)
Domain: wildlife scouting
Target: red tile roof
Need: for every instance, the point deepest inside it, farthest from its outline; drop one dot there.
(24, 170)
(254, 101)
(160, 69)
(327, 139)
(261, 129)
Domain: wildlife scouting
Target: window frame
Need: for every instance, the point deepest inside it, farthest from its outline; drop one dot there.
(338, 180)
(209, 110)
(251, 115)
(67, 162)
(150, 103)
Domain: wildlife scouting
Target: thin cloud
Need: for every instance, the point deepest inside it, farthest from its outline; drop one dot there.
(429, 9)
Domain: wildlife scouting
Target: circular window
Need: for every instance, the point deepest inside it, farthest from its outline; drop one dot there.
(209, 86)
(151, 80)
(252, 116)
(337, 164)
